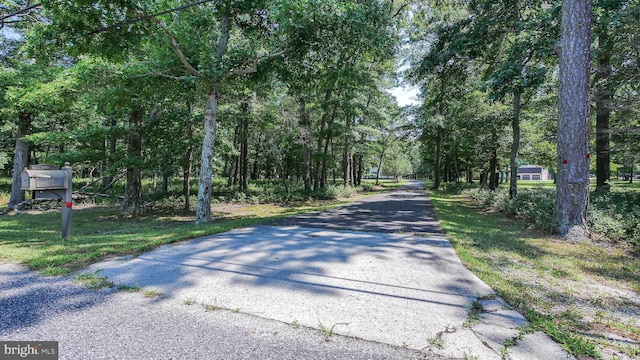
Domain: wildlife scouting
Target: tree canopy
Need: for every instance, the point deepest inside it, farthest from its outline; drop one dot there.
(298, 90)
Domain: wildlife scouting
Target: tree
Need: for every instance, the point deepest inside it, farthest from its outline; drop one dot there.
(507, 41)
(616, 63)
(603, 96)
(234, 38)
(572, 190)
(36, 96)
(337, 50)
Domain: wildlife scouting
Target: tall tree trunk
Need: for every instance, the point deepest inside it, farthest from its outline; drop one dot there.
(233, 160)
(254, 172)
(323, 125)
(354, 170)
(515, 146)
(385, 143)
(360, 170)
(244, 146)
(483, 179)
(20, 158)
(455, 172)
(325, 159)
(438, 163)
(346, 155)
(187, 164)
(132, 202)
(346, 163)
(235, 175)
(165, 182)
(325, 153)
(603, 110)
(572, 189)
(447, 174)
(203, 205)
(379, 170)
(493, 169)
(113, 141)
(304, 138)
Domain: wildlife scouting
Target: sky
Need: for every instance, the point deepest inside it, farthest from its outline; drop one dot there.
(406, 95)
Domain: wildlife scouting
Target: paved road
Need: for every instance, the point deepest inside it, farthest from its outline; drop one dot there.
(378, 272)
(407, 211)
(106, 324)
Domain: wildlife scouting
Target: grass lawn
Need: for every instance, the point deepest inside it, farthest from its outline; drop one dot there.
(34, 239)
(584, 296)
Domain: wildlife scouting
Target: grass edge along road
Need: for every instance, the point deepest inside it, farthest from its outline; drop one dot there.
(572, 292)
(34, 239)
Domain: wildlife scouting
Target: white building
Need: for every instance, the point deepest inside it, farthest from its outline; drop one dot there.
(533, 172)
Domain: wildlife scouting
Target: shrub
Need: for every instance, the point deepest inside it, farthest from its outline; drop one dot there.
(457, 187)
(367, 187)
(328, 193)
(613, 214)
(616, 215)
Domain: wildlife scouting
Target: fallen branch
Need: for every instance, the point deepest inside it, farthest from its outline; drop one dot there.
(23, 205)
(86, 194)
(79, 195)
(91, 183)
(115, 179)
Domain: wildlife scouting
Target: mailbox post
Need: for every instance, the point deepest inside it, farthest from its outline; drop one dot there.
(68, 202)
(49, 182)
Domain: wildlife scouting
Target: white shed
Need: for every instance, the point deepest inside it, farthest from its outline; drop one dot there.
(533, 172)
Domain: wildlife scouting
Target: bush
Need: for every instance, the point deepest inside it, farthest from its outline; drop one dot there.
(613, 214)
(367, 187)
(534, 206)
(457, 187)
(328, 193)
(616, 214)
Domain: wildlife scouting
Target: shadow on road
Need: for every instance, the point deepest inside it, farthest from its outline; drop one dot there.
(406, 210)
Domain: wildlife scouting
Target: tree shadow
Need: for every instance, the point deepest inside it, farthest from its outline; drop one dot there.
(405, 210)
(27, 298)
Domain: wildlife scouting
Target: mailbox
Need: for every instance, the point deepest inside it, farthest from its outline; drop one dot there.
(51, 182)
(32, 180)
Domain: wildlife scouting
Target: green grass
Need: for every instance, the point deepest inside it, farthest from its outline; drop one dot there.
(94, 281)
(209, 307)
(473, 313)
(152, 293)
(532, 272)
(34, 238)
(326, 332)
(188, 301)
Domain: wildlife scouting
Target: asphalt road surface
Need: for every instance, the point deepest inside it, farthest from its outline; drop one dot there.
(370, 280)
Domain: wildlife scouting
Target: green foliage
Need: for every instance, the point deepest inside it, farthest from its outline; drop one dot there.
(75, 22)
(616, 215)
(613, 214)
(4, 159)
(534, 206)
